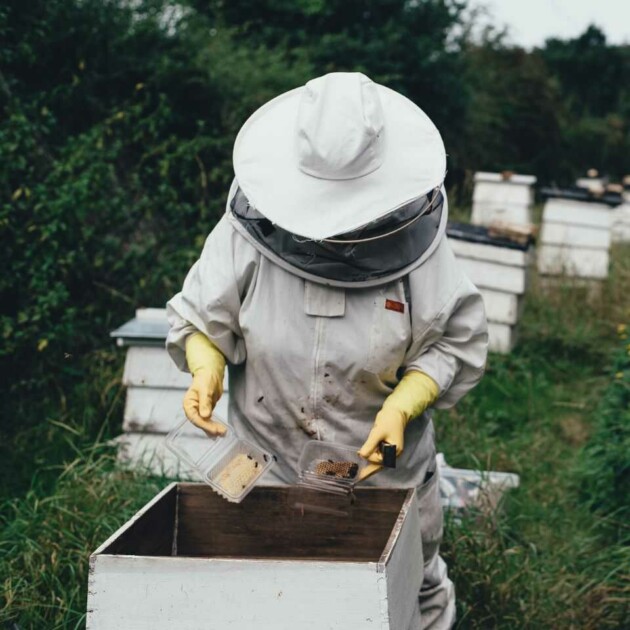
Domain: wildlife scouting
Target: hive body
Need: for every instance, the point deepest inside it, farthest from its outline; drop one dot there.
(189, 560)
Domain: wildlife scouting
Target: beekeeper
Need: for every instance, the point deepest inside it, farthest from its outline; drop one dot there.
(330, 290)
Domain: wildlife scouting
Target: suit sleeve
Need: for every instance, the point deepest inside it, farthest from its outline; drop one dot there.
(450, 342)
(210, 299)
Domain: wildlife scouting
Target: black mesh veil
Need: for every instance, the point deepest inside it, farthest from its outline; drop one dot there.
(374, 251)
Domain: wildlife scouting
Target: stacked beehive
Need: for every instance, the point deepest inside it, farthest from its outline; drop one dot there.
(502, 198)
(155, 391)
(499, 268)
(575, 235)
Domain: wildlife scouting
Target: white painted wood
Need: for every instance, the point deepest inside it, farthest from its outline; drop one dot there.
(152, 367)
(502, 194)
(498, 277)
(621, 223)
(502, 307)
(574, 235)
(490, 253)
(151, 313)
(498, 199)
(155, 410)
(191, 593)
(522, 180)
(582, 262)
(486, 213)
(573, 212)
(404, 573)
(502, 337)
(211, 593)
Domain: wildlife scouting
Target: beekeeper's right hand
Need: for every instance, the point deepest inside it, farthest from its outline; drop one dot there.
(207, 365)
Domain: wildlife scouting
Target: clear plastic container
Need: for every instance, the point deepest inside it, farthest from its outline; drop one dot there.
(462, 489)
(230, 465)
(330, 467)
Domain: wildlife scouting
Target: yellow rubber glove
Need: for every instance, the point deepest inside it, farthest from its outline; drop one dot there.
(207, 365)
(415, 392)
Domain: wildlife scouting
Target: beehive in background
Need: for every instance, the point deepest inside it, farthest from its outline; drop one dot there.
(502, 197)
(189, 559)
(621, 216)
(621, 223)
(155, 392)
(499, 268)
(575, 235)
(617, 196)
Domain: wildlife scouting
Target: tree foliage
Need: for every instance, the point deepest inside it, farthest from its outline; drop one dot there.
(118, 120)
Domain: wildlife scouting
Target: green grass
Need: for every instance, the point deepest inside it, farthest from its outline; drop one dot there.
(551, 558)
(555, 556)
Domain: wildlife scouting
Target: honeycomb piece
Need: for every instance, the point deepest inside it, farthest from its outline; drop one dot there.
(338, 470)
(240, 471)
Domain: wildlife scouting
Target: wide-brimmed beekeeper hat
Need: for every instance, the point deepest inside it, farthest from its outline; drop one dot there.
(337, 154)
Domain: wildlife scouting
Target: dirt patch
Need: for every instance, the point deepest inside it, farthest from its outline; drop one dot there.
(574, 430)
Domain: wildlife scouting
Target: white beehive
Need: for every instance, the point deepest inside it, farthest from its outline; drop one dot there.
(502, 197)
(499, 269)
(621, 222)
(190, 560)
(575, 239)
(155, 392)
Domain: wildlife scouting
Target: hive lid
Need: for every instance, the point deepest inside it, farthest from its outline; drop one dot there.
(148, 328)
(610, 199)
(481, 234)
(230, 465)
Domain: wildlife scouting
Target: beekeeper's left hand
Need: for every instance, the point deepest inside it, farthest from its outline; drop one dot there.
(415, 392)
(389, 427)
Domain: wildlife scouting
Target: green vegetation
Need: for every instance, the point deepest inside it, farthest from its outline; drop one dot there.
(116, 128)
(556, 412)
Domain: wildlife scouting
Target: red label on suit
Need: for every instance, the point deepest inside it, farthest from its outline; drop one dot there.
(392, 305)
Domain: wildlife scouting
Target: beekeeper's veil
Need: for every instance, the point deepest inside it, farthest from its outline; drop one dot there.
(340, 181)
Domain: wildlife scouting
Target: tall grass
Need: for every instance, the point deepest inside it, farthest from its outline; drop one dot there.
(46, 540)
(549, 411)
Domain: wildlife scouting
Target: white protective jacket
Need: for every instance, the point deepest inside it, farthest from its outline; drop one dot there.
(309, 361)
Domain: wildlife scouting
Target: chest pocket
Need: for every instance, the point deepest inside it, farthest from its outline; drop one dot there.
(323, 301)
(390, 331)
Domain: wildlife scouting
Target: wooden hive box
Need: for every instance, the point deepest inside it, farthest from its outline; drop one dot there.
(621, 223)
(499, 268)
(575, 239)
(190, 560)
(507, 198)
(155, 392)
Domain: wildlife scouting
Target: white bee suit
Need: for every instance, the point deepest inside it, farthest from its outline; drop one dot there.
(310, 361)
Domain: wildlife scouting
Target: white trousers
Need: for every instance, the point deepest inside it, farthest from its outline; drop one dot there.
(436, 602)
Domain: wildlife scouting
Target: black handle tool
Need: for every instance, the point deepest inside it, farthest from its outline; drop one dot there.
(388, 451)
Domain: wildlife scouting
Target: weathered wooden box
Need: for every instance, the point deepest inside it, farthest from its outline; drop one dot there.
(190, 560)
(507, 198)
